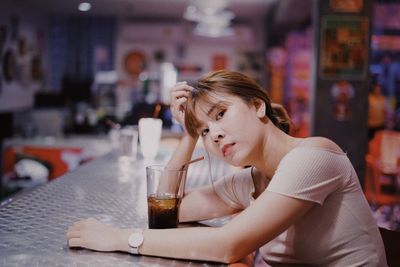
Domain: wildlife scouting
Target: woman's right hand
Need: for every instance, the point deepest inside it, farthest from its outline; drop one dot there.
(179, 95)
(93, 234)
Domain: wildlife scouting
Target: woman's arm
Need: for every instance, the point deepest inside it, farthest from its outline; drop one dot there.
(183, 152)
(178, 98)
(265, 219)
(203, 204)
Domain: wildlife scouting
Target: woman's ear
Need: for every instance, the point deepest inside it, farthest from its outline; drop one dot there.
(260, 108)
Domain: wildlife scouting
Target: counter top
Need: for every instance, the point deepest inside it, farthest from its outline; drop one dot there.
(33, 224)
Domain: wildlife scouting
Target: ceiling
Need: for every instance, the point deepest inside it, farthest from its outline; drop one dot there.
(146, 9)
(280, 15)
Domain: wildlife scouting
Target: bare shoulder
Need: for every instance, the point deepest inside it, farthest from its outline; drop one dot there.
(321, 142)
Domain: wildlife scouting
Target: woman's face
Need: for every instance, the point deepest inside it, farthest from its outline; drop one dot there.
(230, 128)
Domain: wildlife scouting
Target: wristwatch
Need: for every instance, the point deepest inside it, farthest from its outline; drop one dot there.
(135, 240)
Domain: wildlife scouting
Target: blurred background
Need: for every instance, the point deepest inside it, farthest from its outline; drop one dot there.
(71, 71)
(118, 58)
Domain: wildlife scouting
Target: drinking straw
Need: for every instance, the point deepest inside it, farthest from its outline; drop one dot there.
(184, 166)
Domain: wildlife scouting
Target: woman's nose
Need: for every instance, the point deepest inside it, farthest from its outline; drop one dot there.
(216, 133)
(218, 138)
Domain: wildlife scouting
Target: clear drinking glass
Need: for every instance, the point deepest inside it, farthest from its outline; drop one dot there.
(128, 142)
(165, 189)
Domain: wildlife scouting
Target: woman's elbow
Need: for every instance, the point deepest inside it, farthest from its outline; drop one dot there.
(234, 258)
(231, 259)
(235, 252)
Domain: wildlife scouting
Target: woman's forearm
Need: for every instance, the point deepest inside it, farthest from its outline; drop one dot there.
(203, 204)
(183, 153)
(184, 243)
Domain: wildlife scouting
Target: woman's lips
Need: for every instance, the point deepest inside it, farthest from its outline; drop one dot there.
(227, 149)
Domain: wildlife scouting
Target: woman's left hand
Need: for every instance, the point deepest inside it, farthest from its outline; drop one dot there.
(95, 235)
(179, 95)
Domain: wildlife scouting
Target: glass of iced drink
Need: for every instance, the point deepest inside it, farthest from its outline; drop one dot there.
(165, 189)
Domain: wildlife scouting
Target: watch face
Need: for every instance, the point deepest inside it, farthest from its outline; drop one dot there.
(135, 239)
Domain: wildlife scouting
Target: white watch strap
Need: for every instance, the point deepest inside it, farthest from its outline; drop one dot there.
(135, 240)
(133, 250)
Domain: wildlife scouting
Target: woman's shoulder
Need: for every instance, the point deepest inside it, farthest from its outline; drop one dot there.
(320, 143)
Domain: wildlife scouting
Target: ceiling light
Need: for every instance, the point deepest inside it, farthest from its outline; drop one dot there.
(213, 20)
(211, 6)
(84, 6)
(205, 30)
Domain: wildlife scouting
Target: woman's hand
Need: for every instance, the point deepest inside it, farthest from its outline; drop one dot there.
(179, 95)
(96, 235)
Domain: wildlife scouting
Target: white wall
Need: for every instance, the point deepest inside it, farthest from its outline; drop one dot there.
(198, 51)
(19, 94)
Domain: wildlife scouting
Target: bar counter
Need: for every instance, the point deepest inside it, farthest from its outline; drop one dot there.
(33, 224)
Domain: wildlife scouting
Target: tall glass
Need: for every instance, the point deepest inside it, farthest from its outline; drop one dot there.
(165, 189)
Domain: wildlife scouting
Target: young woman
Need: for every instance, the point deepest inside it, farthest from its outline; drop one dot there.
(299, 203)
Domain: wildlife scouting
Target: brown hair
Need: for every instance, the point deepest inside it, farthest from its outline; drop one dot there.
(237, 84)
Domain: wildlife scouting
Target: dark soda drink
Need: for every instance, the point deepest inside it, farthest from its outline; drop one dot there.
(163, 211)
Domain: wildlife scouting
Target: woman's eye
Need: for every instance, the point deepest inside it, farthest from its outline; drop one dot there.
(220, 115)
(204, 132)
